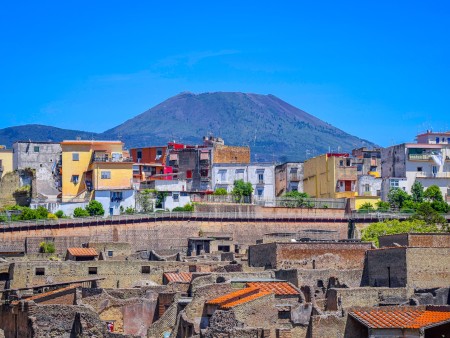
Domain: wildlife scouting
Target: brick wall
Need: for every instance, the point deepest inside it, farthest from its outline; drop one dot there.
(385, 263)
(231, 154)
(428, 267)
(441, 240)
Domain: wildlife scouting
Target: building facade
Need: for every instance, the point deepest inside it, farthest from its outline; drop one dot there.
(97, 170)
(288, 177)
(331, 175)
(260, 175)
(44, 158)
(427, 161)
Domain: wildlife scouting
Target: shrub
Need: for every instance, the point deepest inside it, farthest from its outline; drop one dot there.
(95, 208)
(186, 208)
(130, 211)
(382, 206)
(60, 214)
(220, 192)
(41, 213)
(51, 216)
(47, 247)
(80, 212)
(366, 207)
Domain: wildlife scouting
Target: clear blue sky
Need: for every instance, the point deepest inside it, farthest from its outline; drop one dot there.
(376, 69)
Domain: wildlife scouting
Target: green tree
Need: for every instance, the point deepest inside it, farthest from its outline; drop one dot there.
(397, 197)
(220, 192)
(440, 206)
(427, 214)
(241, 189)
(95, 208)
(60, 214)
(80, 212)
(409, 206)
(294, 199)
(417, 192)
(145, 200)
(394, 226)
(433, 193)
(160, 197)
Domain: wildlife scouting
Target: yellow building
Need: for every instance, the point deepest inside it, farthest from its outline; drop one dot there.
(6, 161)
(330, 176)
(97, 170)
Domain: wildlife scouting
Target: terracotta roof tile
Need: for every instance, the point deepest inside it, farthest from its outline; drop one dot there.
(238, 297)
(245, 300)
(408, 318)
(232, 296)
(278, 288)
(82, 252)
(182, 277)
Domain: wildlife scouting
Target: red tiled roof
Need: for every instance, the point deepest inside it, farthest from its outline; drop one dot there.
(182, 277)
(82, 252)
(278, 288)
(238, 297)
(49, 293)
(407, 318)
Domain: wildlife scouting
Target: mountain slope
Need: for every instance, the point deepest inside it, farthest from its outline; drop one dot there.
(36, 132)
(274, 129)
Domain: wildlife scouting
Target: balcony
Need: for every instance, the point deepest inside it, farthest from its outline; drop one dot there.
(423, 174)
(419, 157)
(107, 159)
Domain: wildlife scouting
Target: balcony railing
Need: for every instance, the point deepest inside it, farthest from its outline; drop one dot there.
(295, 177)
(419, 157)
(423, 174)
(110, 159)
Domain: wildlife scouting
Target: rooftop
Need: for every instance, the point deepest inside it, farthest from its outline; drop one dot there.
(82, 252)
(50, 293)
(180, 277)
(278, 288)
(238, 297)
(402, 317)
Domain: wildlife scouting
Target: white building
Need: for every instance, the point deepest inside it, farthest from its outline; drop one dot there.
(260, 175)
(427, 161)
(176, 192)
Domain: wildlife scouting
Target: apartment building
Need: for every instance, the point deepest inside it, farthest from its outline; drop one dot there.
(97, 170)
(331, 175)
(260, 175)
(427, 161)
(288, 177)
(368, 168)
(150, 164)
(194, 163)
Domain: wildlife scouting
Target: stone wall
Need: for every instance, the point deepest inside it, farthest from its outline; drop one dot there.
(387, 267)
(325, 277)
(117, 274)
(172, 235)
(428, 267)
(309, 255)
(426, 240)
(231, 154)
(365, 296)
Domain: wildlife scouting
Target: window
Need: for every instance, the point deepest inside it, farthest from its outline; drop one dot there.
(188, 174)
(36, 149)
(434, 170)
(437, 139)
(145, 269)
(260, 192)
(366, 187)
(39, 272)
(75, 179)
(223, 248)
(222, 175)
(92, 270)
(110, 253)
(139, 155)
(293, 170)
(75, 157)
(348, 163)
(419, 169)
(116, 196)
(158, 154)
(239, 174)
(261, 177)
(105, 175)
(176, 197)
(394, 183)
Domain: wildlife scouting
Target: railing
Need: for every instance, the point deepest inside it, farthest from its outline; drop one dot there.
(111, 159)
(424, 174)
(419, 157)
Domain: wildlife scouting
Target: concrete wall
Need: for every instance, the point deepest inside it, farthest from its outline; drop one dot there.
(6, 162)
(171, 201)
(368, 185)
